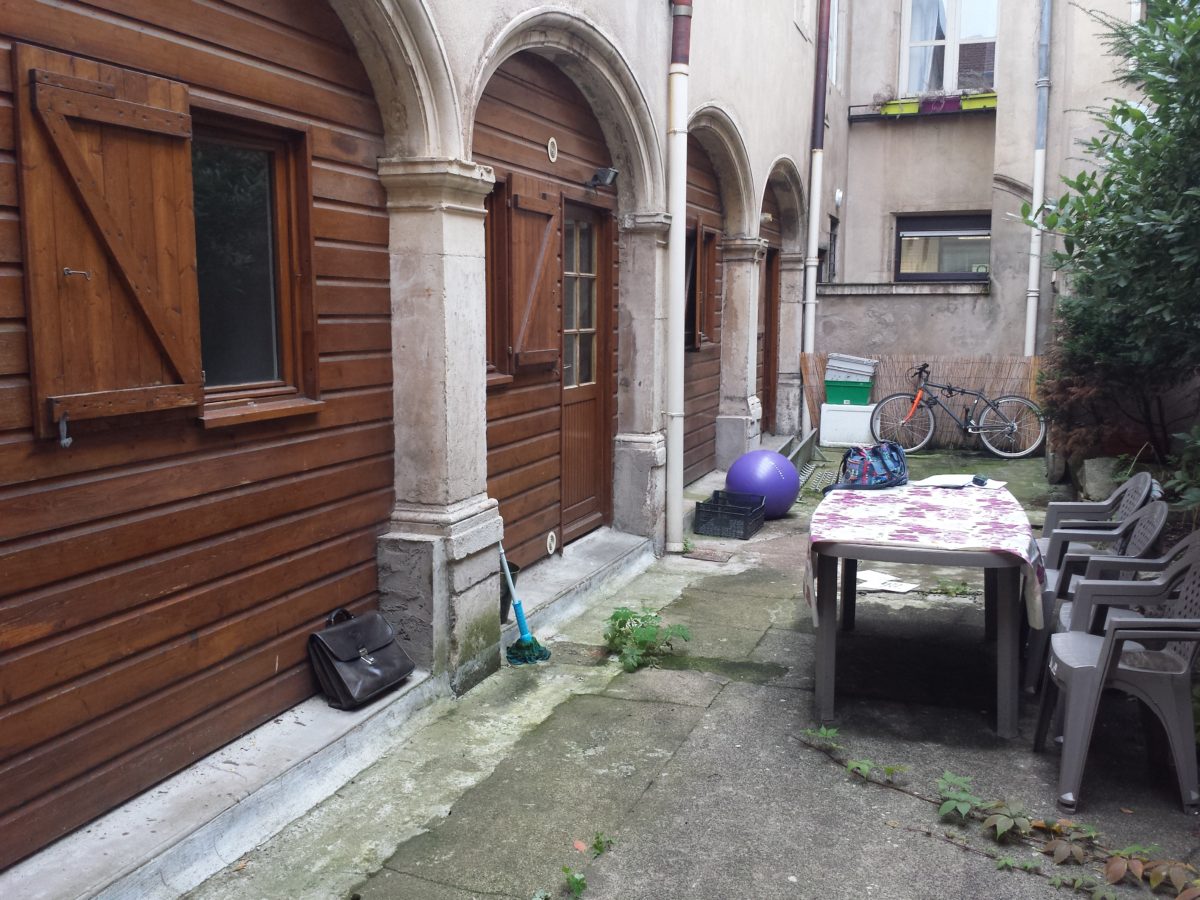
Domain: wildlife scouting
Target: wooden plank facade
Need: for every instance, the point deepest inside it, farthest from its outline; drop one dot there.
(549, 441)
(705, 289)
(159, 576)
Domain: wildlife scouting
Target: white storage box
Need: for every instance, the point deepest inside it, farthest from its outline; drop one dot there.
(842, 367)
(845, 425)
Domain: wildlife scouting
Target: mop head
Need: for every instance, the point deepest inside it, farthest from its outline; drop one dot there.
(525, 651)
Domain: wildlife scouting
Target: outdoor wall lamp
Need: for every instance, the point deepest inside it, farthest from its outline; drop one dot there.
(601, 178)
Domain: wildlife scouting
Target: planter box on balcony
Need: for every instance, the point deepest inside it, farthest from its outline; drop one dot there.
(979, 101)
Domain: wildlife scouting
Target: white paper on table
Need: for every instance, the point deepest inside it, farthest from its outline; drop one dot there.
(956, 481)
(870, 580)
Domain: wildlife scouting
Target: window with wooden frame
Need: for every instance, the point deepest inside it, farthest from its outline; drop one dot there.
(700, 267)
(109, 236)
(581, 259)
(943, 248)
(251, 199)
(949, 46)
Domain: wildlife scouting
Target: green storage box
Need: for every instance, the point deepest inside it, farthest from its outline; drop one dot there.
(852, 393)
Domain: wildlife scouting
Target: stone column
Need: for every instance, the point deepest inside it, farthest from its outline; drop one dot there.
(790, 389)
(438, 563)
(640, 452)
(739, 416)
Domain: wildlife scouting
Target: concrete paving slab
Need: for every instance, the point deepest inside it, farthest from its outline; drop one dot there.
(795, 651)
(743, 811)
(667, 686)
(576, 775)
(413, 788)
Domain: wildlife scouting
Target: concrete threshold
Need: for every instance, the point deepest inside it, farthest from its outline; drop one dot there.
(174, 836)
(556, 589)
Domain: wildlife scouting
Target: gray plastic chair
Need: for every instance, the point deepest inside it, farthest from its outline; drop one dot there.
(1124, 657)
(1126, 499)
(1133, 538)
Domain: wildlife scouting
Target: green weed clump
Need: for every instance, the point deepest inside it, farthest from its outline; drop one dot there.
(640, 638)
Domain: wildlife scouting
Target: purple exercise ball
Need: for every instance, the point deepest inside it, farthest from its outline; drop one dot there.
(768, 473)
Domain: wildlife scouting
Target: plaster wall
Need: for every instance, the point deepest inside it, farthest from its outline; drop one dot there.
(921, 164)
(877, 319)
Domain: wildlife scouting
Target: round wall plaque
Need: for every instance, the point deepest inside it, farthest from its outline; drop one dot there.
(552, 149)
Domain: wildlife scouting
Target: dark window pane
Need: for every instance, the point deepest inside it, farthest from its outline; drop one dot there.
(976, 67)
(570, 290)
(587, 355)
(570, 377)
(235, 263)
(967, 255)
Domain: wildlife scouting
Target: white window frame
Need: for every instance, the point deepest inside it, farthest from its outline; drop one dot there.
(835, 41)
(950, 75)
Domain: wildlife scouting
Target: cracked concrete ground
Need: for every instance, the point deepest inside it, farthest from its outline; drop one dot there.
(703, 773)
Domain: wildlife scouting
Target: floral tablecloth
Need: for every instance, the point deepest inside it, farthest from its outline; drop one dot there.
(934, 518)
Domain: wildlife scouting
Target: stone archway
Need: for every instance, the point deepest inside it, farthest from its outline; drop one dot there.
(739, 414)
(404, 59)
(602, 74)
(788, 190)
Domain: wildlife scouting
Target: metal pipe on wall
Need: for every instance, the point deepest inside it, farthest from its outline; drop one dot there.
(815, 188)
(677, 111)
(1033, 291)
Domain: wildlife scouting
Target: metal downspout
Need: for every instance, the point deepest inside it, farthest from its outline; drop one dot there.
(815, 189)
(677, 108)
(1034, 290)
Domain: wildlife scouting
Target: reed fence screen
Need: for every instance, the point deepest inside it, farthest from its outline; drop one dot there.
(995, 376)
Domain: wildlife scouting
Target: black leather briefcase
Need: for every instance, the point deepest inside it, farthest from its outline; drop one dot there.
(356, 658)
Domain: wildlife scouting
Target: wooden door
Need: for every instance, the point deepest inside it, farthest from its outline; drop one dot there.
(768, 339)
(585, 438)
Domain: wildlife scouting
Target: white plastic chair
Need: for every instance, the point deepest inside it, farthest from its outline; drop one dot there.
(1132, 538)
(1127, 657)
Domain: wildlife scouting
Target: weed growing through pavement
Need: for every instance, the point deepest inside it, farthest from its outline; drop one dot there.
(601, 844)
(1081, 862)
(576, 882)
(640, 638)
(948, 587)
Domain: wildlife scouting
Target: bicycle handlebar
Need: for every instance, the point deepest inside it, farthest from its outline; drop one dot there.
(921, 372)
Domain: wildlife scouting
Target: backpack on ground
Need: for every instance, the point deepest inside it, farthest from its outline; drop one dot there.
(866, 468)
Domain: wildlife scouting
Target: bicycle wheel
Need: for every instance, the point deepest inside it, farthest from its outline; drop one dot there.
(891, 421)
(1012, 427)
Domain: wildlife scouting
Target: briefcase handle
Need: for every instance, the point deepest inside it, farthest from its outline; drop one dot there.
(338, 615)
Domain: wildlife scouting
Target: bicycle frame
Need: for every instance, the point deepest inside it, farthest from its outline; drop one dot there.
(970, 423)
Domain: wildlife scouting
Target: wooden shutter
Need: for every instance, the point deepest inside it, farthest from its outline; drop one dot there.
(535, 272)
(110, 253)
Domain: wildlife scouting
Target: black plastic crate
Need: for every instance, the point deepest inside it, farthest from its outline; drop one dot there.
(729, 514)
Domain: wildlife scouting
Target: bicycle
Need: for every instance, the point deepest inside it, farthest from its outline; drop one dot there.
(1009, 426)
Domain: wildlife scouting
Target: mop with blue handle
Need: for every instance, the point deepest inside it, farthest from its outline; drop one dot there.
(525, 649)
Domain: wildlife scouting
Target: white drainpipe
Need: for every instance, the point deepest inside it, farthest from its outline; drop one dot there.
(677, 134)
(815, 190)
(1034, 290)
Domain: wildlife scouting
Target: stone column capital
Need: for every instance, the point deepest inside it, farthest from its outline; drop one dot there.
(743, 249)
(426, 184)
(645, 222)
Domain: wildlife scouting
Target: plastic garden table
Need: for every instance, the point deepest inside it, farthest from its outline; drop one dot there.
(973, 526)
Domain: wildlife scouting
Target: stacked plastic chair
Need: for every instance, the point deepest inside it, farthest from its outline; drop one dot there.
(1133, 537)
(1148, 654)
